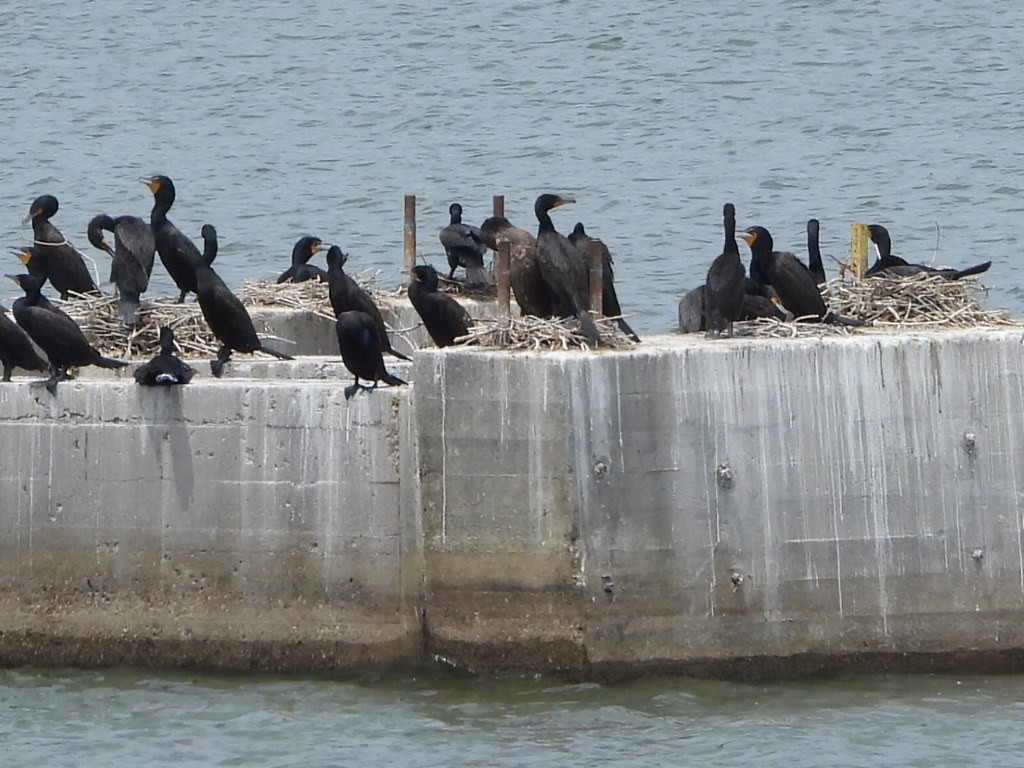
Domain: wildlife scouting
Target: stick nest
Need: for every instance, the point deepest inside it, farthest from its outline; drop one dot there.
(536, 334)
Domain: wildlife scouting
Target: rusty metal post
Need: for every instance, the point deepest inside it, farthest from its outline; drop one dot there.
(504, 273)
(409, 242)
(499, 205)
(594, 257)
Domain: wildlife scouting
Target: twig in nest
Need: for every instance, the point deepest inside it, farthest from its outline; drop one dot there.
(541, 333)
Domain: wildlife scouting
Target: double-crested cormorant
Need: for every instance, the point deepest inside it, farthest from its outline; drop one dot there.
(131, 259)
(464, 248)
(166, 369)
(360, 351)
(563, 269)
(444, 318)
(724, 288)
(51, 253)
(887, 264)
(224, 312)
(300, 270)
(758, 301)
(347, 296)
(527, 284)
(177, 252)
(16, 350)
(55, 333)
(814, 263)
(609, 300)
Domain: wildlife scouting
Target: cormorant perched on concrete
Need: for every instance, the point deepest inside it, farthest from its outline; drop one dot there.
(166, 369)
(224, 312)
(131, 259)
(528, 286)
(16, 350)
(347, 296)
(300, 270)
(444, 318)
(464, 248)
(563, 270)
(360, 351)
(609, 300)
(757, 302)
(55, 333)
(724, 288)
(61, 263)
(887, 264)
(177, 252)
(814, 263)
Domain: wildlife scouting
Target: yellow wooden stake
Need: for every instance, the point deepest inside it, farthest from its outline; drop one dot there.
(859, 249)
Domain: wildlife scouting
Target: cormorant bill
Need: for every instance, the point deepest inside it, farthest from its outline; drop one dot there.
(814, 263)
(16, 350)
(224, 312)
(464, 248)
(609, 300)
(360, 351)
(562, 269)
(444, 318)
(300, 271)
(166, 369)
(528, 287)
(177, 252)
(61, 262)
(724, 289)
(347, 296)
(886, 263)
(55, 333)
(131, 259)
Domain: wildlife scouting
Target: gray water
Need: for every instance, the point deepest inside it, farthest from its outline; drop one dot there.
(277, 119)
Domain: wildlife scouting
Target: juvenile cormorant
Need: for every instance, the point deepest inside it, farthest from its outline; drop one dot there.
(464, 248)
(563, 269)
(300, 270)
(177, 252)
(814, 263)
(609, 300)
(55, 333)
(887, 264)
(360, 351)
(131, 259)
(166, 369)
(527, 284)
(61, 262)
(224, 313)
(16, 350)
(444, 318)
(347, 296)
(724, 288)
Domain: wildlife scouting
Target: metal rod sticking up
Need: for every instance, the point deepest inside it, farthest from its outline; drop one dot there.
(409, 230)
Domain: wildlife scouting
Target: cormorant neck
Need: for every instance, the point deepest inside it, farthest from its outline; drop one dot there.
(544, 219)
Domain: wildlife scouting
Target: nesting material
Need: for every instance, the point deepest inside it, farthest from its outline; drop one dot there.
(535, 334)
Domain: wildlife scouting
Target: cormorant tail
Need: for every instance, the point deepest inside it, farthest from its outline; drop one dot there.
(275, 353)
(588, 327)
(394, 381)
(624, 327)
(107, 362)
(397, 354)
(476, 275)
(128, 309)
(834, 319)
(975, 270)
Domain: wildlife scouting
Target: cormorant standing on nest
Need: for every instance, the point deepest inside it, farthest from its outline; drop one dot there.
(814, 263)
(61, 263)
(360, 351)
(609, 300)
(347, 296)
(300, 271)
(562, 269)
(527, 284)
(16, 350)
(166, 369)
(724, 287)
(55, 333)
(887, 264)
(224, 312)
(464, 248)
(131, 259)
(177, 252)
(444, 318)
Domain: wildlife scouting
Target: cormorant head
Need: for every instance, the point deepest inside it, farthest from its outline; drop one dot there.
(162, 188)
(335, 258)
(305, 248)
(547, 202)
(167, 345)
(30, 284)
(491, 229)
(758, 238)
(880, 237)
(455, 211)
(426, 275)
(44, 205)
(210, 244)
(577, 232)
(95, 232)
(812, 228)
(24, 255)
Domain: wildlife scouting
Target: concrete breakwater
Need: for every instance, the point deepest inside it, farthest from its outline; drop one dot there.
(745, 506)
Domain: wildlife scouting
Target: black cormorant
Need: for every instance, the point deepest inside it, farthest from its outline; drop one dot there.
(814, 263)
(527, 284)
(444, 318)
(131, 259)
(166, 369)
(224, 312)
(300, 270)
(177, 252)
(609, 300)
(16, 350)
(464, 248)
(61, 262)
(758, 301)
(563, 269)
(347, 296)
(360, 351)
(724, 287)
(887, 264)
